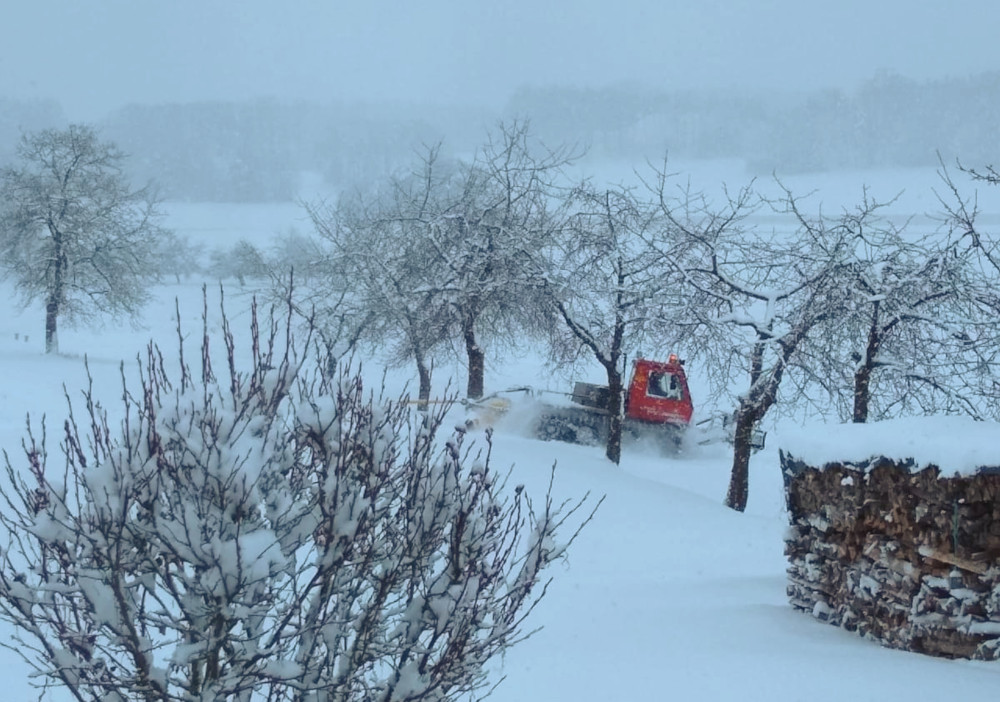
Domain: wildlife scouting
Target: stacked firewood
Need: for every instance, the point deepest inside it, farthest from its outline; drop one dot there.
(902, 554)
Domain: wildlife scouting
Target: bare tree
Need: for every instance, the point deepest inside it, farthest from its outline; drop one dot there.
(756, 300)
(242, 260)
(911, 304)
(494, 215)
(269, 534)
(444, 250)
(298, 251)
(979, 342)
(377, 267)
(73, 232)
(176, 256)
(607, 287)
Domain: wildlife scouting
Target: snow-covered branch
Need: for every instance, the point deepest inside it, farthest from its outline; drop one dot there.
(275, 534)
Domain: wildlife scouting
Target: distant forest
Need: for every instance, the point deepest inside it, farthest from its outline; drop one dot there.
(256, 151)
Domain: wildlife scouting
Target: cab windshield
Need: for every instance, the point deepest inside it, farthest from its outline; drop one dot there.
(665, 385)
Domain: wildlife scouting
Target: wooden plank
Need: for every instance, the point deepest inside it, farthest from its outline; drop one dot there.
(951, 559)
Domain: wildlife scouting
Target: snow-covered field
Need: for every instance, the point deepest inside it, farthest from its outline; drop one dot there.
(667, 594)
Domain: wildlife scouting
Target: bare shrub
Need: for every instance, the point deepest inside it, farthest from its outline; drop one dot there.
(274, 534)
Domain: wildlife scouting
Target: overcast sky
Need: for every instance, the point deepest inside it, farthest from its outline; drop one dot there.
(95, 55)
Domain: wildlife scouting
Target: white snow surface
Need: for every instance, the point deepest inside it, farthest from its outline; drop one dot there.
(956, 445)
(667, 594)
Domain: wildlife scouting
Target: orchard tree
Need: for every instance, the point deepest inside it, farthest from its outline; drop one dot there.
(176, 256)
(756, 299)
(376, 267)
(295, 251)
(243, 261)
(980, 342)
(444, 250)
(73, 232)
(908, 316)
(266, 533)
(607, 288)
(494, 215)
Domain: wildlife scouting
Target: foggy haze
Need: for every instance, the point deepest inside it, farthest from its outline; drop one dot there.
(95, 57)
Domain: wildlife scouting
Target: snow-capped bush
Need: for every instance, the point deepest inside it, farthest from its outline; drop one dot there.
(273, 534)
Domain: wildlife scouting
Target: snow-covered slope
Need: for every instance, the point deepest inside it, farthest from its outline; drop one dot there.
(666, 595)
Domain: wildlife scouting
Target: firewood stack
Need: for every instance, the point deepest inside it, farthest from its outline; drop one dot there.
(898, 553)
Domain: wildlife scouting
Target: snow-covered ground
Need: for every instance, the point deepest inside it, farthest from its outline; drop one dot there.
(667, 594)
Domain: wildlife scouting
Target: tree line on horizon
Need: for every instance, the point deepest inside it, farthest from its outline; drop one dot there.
(255, 151)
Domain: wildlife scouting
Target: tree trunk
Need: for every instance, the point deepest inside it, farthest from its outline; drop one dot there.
(51, 321)
(752, 409)
(747, 415)
(863, 375)
(424, 395)
(615, 418)
(862, 393)
(739, 480)
(477, 359)
(754, 406)
(616, 387)
(53, 302)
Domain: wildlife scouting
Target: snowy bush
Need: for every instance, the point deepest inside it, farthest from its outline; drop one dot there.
(274, 534)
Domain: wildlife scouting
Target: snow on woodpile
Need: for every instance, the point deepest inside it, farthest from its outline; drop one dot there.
(955, 444)
(895, 532)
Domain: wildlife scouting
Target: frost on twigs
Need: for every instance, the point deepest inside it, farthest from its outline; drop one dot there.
(274, 534)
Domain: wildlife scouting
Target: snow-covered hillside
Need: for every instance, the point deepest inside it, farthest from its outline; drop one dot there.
(667, 594)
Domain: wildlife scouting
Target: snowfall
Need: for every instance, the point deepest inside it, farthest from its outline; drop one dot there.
(666, 594)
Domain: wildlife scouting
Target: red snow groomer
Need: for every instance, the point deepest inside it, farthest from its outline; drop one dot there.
(658, 408)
